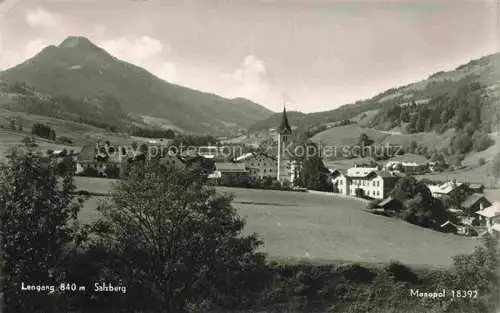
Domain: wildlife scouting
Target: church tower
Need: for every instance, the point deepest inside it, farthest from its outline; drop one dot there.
(284, 136)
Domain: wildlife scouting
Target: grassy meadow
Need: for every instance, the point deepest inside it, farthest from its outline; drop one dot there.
(322, 228)
(347, 135)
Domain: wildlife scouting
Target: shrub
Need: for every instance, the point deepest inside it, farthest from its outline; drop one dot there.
(64, 140)
(481, 161)
(401, 272)
(356, 273)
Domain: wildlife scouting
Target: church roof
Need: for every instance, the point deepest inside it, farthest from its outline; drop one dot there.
(284, 127)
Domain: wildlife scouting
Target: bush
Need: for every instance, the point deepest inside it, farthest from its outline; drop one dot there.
(90, 172)
(64, 140)
(44, 131)
(481, 161)
(356, 273)
(401, 272)
(481, 141)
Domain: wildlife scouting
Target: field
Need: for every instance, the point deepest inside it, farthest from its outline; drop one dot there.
(348, 135)
(78, 132)
(11, 140)
(325, 228)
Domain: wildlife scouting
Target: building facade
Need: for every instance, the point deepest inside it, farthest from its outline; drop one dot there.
(491, 216)
(368, 182)
(260, 165)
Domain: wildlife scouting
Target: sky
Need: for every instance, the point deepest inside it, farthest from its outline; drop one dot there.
(313, 54)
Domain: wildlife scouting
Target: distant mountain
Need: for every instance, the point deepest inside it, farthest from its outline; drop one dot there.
(485, 71)
(79, 69)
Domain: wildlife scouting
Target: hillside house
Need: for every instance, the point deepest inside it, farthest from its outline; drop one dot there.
(475, 202)
(449, 190)
(465, 230)
(476, 188)
(216, 153)
(410, 164)
(99, 159)
(491, 216)
(369, 182)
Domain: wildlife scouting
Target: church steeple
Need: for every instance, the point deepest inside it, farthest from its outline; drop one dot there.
(284, 127)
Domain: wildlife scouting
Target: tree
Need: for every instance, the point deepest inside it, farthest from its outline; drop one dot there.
(420, 207)
(36, 215)
(314, 175)
(176, 240)
(479, 271)
(28, 141)
(481, 141)
(360, 193)
(364, 140)
(481, 162)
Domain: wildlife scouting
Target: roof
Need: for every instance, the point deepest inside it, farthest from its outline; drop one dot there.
(363, 172)
(216, 174)
(449, 223)
(244, 156)
(284, 127)
(230, 167)
(410, 158)
(87, 153)
(473, 199)
(445, 188)
(386, 201)
(386, 174)
(360, 171)
(493, 210)
(476, 186)
(256, 154)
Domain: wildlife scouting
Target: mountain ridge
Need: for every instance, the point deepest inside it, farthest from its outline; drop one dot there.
(79, 69)
(485, 70)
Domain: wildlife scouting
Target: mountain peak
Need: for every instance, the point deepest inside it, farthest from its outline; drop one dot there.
(76, 41)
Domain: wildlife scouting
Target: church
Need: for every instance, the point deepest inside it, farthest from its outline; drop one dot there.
(287, 169)
(279, 166)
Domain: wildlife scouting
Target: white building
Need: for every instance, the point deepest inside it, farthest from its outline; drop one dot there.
(369, 181)
(492, 216)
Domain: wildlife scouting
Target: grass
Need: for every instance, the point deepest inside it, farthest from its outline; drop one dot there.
(79, 132)
(474, 174)
(10, 139)
(303, 226)
(348, 135)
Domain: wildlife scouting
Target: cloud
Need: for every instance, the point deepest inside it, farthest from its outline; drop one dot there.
(251, 69)
(12, 58)
(167, 71)
(40, 17)
(249, 80)
(135, 49)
